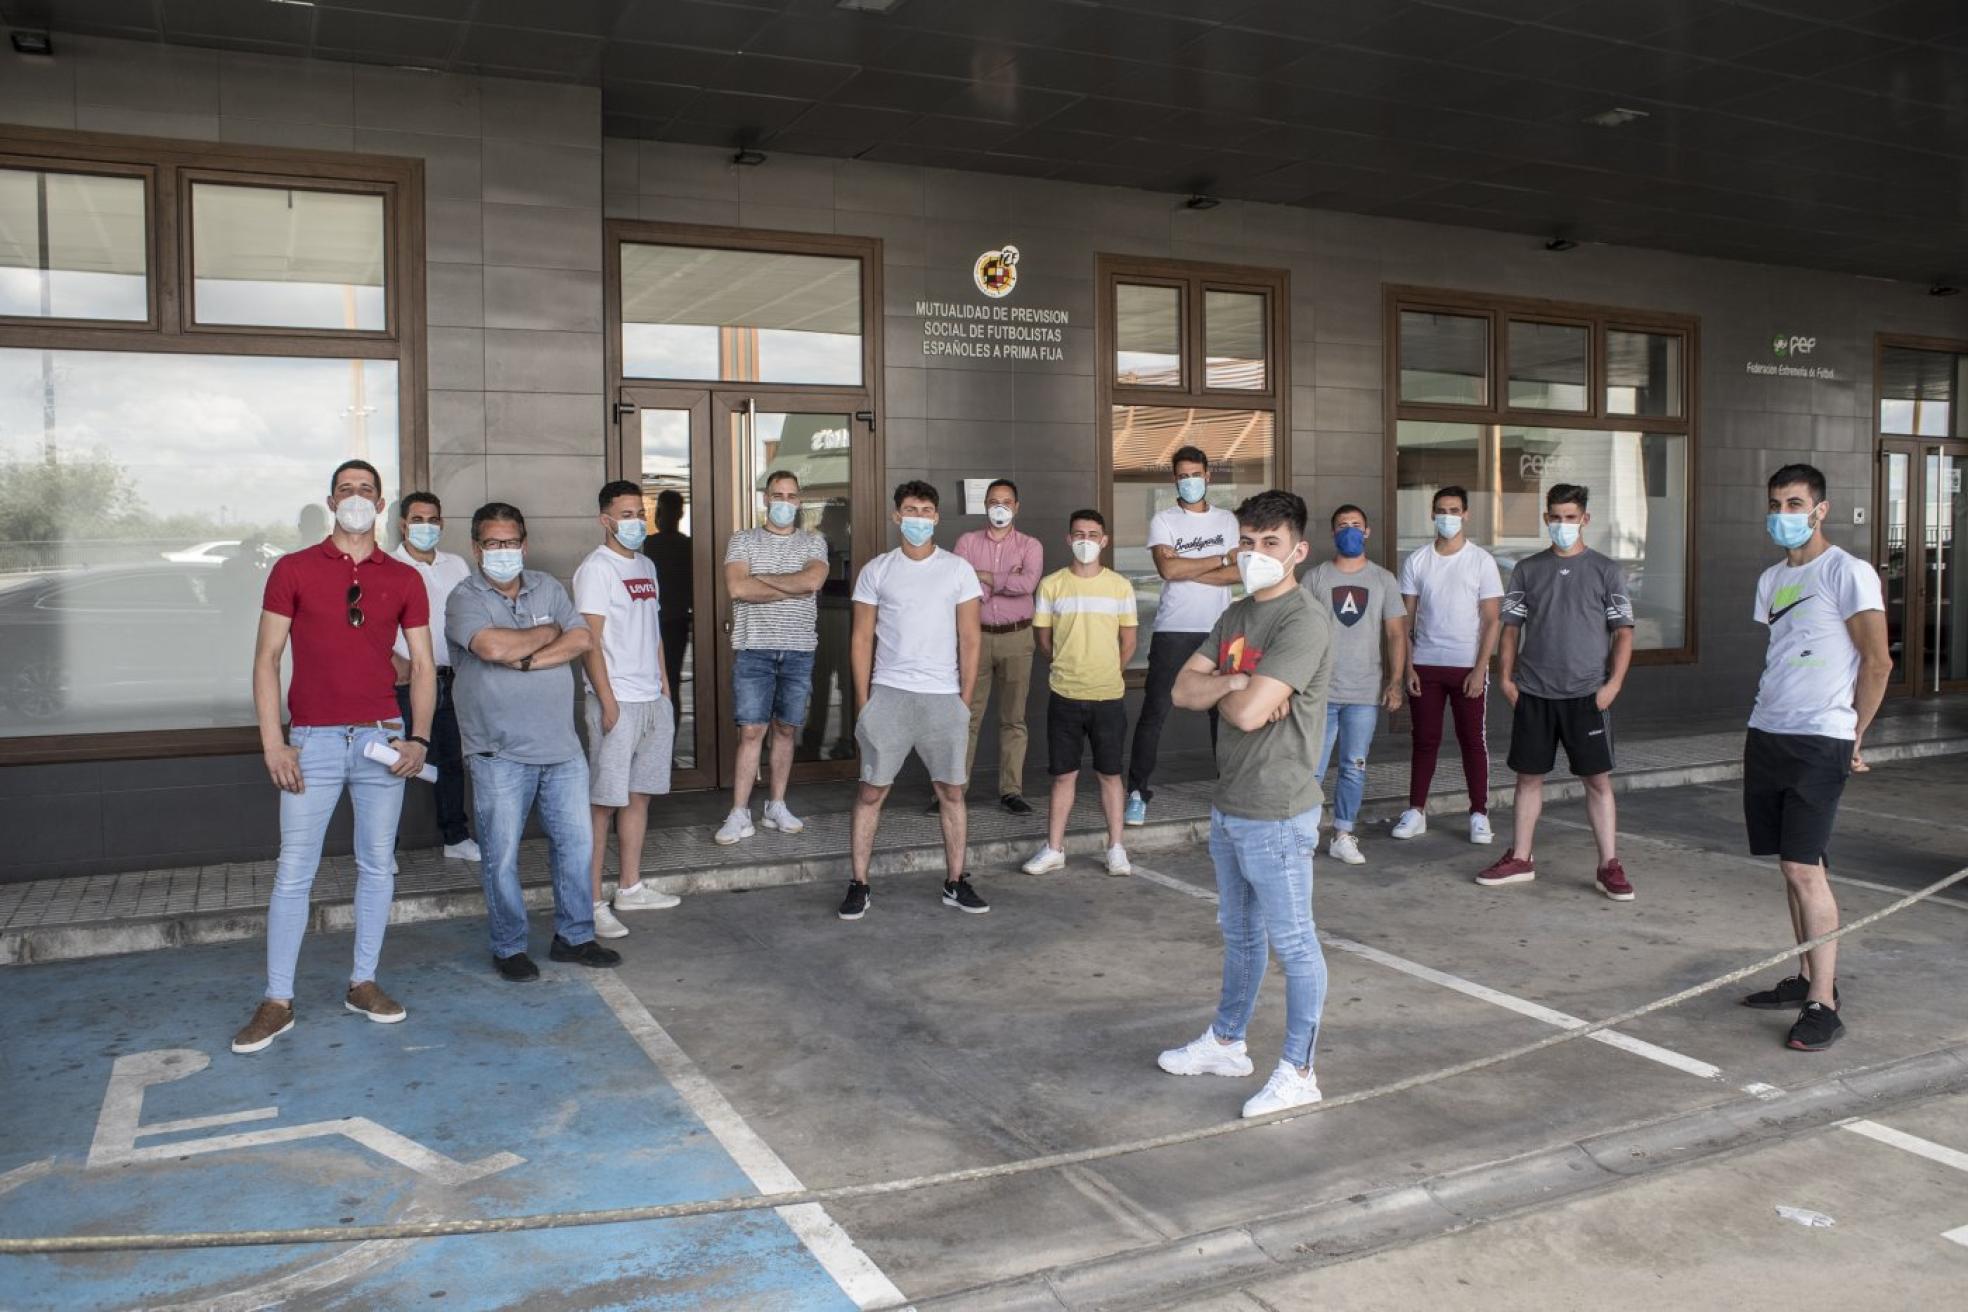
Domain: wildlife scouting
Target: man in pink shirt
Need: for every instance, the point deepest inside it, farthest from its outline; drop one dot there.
(1009, 565)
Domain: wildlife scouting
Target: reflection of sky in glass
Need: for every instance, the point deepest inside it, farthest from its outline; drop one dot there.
(74, 238)
(73, 294)
(785, 355)
(290, 304)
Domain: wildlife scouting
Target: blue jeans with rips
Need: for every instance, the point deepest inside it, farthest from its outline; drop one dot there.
(1264, 899)
(1353, 728)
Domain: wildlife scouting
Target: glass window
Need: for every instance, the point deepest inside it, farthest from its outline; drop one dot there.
(1430, 455)
(1445, 358)
(1147, 335)
(1548, 366)
(142, 499)
(1241, 448)
(1643, 373)
(280, 257)
(72, 246)
(740, 316)
(1918, 390)
(1233, 334)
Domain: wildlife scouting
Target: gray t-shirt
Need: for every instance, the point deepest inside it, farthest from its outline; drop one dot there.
(521, 715)
(1361, 604)
(1567, 608)
(1266, 774)
(787, 625)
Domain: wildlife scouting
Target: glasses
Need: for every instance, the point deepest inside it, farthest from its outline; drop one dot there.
(502, 544)
(355, 605)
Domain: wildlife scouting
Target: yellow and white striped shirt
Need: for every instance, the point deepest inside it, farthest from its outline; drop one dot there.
(1086, 617)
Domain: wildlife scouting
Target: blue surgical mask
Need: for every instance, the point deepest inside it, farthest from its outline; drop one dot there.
(630, 533)
(424, 536)
(782, 513)
(1351, 540)
(917, 531)
(1564, 536)
(1447, 526)
(503, 564)
(1789, 531)
(1191, 489)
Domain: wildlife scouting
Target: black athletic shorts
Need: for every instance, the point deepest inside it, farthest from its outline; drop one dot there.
(1070, 723)
(1791, 786)
(1539, 724)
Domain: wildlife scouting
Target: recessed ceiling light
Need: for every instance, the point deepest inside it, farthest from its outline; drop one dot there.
(298, 4)
(1943, 289)
(1617, 116)
(869, 6)
(749, 158)
(1561, 244)
(33, 43)
(1202, 202)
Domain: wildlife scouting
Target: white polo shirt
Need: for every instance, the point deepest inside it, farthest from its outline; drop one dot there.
(444, 573)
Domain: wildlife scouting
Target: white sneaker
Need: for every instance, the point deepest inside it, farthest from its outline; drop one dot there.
(1117, 861)
(736, 826)
(1207, 1056)
(1285, 1088)
(606, 926)
(778, 817)
(641, 897)
(1045, 859)
(465, 851)
(1345, 847)
(1479, 829)
(1412, 822)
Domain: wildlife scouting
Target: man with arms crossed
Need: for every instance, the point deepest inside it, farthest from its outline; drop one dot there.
(1086, 621)
(774, 573)
(1265, 667)
(1368, 617)
(420, 523)
(631, 729)
(341, 601)
(1008, 564)
(1192, 542)
(914, 649)
(1823, 678)
(514, 636)
(1454, 596)
(1567, 640)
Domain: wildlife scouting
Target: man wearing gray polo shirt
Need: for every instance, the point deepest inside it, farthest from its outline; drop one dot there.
(513, 634)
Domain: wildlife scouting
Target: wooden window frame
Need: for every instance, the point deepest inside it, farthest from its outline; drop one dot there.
(1600, 320)
(168, 167)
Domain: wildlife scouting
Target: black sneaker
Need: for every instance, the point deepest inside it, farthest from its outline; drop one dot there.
(518, 968)
(1788, 993)
(589, 953)
(855, 904)
(935, 806)
(1817, 1028)
(959, 894)
(1015, 804)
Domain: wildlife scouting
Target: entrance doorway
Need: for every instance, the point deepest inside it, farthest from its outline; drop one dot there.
(1922, 527)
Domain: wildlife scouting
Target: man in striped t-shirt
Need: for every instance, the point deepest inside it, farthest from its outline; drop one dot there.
(774, 573)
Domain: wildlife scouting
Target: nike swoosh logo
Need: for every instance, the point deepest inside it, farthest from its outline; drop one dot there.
(1776, 615)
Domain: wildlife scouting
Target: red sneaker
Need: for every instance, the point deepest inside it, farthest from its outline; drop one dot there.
(1612, 881)
(1507, 869)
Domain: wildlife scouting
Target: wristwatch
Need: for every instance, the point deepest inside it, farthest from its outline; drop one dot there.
(424, 743)
(526, 662)
(1228, 560)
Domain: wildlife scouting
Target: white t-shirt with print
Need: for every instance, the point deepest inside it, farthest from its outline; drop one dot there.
(1811, 671)
(1448, 617)
(916, 617)
(1187, 606)
(622, 590)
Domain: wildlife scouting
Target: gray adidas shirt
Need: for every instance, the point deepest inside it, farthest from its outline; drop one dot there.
(1566, 608)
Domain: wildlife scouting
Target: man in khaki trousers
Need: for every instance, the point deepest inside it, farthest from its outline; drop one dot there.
(1009, 565)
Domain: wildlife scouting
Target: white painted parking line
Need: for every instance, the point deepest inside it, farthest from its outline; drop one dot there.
(857, 1275)
(1933, 1152)
(1469, 988)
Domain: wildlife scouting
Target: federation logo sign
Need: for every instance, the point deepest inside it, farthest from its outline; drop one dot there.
(1783, 347)
(996, 272)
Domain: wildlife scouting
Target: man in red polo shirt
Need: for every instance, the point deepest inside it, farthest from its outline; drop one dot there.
(341, 601)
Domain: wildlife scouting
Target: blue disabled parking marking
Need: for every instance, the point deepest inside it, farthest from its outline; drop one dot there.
(128, 1113)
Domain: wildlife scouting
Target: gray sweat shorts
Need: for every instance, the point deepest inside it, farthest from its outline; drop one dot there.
(634, 757)
(933, 725)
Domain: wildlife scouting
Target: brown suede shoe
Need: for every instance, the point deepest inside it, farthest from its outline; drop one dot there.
(368, 1000)
(270, 1020)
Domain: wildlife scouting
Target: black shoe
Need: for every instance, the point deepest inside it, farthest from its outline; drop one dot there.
(1817, 1028)
(1788, 993)
(589, 953)
(935, 805)
(855, 904)
(1015, 804)
(518, 968)
(959, 894)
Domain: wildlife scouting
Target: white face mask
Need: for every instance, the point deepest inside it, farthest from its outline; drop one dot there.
(1447, 526)
(998, 515)
(356, 514)
(1260, 571)
(503, 564)
(1086, 551)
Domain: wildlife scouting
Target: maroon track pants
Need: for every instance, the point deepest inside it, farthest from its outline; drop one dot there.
(1441, 686)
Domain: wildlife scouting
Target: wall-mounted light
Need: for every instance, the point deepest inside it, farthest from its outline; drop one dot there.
(1943, 289)
(868, 6)
(1616, 117)
(1202, 202)
(749, 158)
(1559, 245)
(33, 43)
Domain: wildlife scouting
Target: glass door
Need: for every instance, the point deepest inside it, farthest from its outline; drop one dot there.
(1944, 590)
(1893, 532)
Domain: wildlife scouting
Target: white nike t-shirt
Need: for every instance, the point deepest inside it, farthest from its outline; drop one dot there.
(915, 605)
(1811, 672)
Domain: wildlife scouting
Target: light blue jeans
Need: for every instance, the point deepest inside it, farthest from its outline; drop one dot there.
(1353, 728)
(503, 795)
(331, 759)
(1264, 895)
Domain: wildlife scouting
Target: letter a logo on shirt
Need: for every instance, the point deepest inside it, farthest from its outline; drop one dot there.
(1349, 603)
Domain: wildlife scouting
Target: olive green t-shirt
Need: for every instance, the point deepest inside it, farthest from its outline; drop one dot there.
(1266, 774)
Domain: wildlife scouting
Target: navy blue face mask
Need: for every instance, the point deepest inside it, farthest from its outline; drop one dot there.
(1351, 540)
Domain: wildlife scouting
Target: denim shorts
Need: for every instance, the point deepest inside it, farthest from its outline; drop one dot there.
(771, 685)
